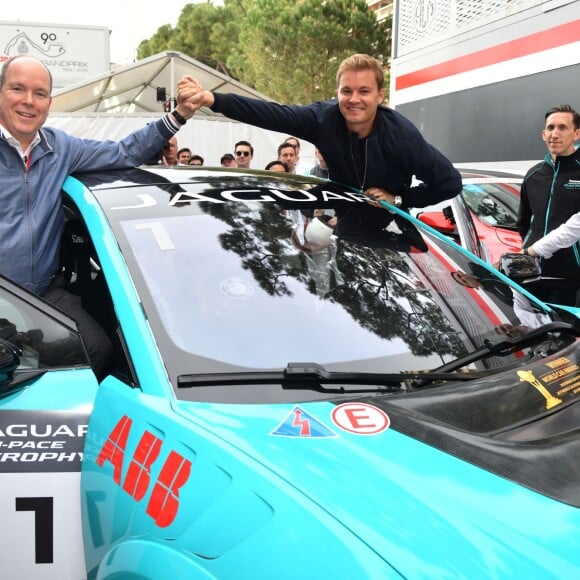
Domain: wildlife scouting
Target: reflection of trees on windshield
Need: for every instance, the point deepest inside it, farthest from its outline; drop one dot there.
(262, 243)
(384, 296)
(375, 286)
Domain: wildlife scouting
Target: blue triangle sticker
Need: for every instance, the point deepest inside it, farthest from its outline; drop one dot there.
(299, 423)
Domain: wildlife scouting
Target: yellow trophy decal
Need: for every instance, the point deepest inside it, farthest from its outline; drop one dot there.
(528, 377)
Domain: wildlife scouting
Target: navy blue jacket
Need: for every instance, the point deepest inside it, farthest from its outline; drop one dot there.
(393, 153)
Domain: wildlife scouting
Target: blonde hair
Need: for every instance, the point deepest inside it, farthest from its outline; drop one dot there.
(358, 62)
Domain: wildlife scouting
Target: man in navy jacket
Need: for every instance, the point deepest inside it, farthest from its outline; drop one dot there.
(365, 145)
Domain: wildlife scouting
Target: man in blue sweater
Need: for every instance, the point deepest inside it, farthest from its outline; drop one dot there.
(365, 144)
(34, 162)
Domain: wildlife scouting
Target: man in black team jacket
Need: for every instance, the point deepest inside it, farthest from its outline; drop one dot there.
(550, 195)
(365, 145)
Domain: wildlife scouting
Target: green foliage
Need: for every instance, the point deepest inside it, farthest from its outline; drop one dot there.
(159, 42)
(292, 49)
(205, 32)
(287, 49)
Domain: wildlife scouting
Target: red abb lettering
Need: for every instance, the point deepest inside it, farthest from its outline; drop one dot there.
(164, 500)
(139, 472)
(114, 448)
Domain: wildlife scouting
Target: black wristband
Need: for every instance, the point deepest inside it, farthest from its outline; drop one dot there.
(525, 252)
(178, 117)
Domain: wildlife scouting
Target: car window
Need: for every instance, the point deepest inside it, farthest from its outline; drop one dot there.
(494, 203)
(42, 341)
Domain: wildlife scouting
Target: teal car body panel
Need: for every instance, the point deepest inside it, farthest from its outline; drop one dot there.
(71, 389)
(253, 495)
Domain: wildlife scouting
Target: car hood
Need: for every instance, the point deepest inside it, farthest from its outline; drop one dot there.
(422, 510)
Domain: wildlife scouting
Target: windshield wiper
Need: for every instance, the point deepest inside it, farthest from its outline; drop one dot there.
(507, 346)
(315, 377)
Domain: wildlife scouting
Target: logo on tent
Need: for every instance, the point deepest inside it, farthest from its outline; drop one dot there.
(299, 423)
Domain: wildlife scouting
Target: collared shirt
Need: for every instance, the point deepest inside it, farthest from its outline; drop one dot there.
(16, 144)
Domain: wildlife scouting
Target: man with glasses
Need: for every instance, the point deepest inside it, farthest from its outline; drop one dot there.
(244, 153)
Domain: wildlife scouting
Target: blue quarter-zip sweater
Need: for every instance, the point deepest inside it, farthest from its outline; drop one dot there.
(31, 214)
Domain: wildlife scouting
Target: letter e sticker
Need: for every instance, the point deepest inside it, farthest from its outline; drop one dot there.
(360, 418)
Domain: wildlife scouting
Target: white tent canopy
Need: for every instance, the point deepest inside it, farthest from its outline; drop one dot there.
(133, 89)
(112, 105)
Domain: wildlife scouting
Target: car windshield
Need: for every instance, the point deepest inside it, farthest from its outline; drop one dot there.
(256, 273)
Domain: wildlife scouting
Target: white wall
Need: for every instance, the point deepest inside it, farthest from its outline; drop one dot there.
(209, 137)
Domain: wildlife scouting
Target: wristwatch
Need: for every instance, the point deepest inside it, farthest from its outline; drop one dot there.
(178, 117)
(525, 252)
(397, 201)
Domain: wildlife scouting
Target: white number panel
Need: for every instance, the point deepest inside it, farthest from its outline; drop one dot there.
(40, 509)
(41, 534)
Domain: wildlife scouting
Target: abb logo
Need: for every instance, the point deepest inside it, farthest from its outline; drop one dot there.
(164, 500)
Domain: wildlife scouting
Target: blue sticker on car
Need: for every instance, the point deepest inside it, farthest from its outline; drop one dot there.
(300, 423)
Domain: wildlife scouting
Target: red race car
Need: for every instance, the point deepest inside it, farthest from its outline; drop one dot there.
(483, 217)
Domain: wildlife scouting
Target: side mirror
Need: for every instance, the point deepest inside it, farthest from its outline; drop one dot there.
(9, 361)
(520, 267)
(438, 220)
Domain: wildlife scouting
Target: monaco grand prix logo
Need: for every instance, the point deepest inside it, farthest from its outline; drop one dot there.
(22, 44)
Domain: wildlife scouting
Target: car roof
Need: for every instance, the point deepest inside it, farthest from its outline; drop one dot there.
(492, 168)
(181, 175)
(474, 175)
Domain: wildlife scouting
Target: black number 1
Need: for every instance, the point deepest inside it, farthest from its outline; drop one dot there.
(43, 526)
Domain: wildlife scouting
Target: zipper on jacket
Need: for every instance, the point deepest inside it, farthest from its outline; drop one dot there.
(26, 163)
(547, 217)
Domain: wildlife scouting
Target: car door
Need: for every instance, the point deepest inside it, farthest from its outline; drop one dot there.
(134, 437)
(494, 208)
(46, 398)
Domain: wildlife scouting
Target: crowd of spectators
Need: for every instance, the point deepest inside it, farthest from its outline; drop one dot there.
(286, 159)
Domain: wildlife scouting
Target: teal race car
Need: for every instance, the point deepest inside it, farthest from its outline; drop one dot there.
(303, 385)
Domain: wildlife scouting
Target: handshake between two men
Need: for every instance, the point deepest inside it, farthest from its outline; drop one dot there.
(191, 95)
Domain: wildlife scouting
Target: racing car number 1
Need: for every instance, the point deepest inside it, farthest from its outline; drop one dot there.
(41, 526)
